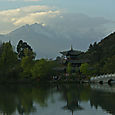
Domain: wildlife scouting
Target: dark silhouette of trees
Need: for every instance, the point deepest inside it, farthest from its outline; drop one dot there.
(21, 47)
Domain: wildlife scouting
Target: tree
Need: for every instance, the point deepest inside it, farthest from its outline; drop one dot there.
(8, 59)
(90, 47)
(27, 63)
(43, 69)
(109, 66)
(77, 71)
(1, 48)
(21, 48)
(94, 53)
(84, 69)
(69, 68)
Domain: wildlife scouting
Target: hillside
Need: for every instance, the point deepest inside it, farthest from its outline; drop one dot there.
(108, 45)
(102, 55)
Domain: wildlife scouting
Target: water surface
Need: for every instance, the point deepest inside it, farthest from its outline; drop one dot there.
(65, 99)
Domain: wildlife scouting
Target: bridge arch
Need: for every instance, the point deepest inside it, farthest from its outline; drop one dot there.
(109, 81)
(101, 82)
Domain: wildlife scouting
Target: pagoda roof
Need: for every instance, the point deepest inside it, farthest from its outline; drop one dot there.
(79, 61)
(71, 52)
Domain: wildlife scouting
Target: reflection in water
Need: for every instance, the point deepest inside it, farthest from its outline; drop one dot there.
(30, 100)
(106, 97)
(104, 87)
(72, 97)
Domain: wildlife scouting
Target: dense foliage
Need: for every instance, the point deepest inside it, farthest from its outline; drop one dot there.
(22, 66)
(102, 56)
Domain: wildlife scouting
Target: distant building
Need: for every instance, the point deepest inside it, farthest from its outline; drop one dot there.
(74, 57)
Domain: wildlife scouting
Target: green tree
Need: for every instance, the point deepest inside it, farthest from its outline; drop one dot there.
(84, 69)
(8, 60)
(69, 68)
(94, 53)
(43, 69)
(21, 48)
(27, 63)
(77, 70)
(109, 66)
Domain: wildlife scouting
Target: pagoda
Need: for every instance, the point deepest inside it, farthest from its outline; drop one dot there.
(74, 57)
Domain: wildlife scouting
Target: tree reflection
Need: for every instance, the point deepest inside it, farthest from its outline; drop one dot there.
(73, 106)
(105, 100)
(71, 94)
(22, 98)
(25, 100)
(7, 100)
(40, 95)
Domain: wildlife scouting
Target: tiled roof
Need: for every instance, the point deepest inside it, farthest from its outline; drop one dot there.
(71, 52)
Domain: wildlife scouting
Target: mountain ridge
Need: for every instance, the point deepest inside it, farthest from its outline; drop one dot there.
(47, 42)
(42, 39)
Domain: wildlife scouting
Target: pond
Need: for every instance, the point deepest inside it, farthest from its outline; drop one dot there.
(62, 99)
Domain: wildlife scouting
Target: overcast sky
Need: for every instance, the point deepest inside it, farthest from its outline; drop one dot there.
(14, 13)
(76, 22)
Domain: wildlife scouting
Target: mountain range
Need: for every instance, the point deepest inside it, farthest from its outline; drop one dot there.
(47, 42)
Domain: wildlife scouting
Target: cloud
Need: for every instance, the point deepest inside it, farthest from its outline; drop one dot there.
(25, 15)
(51, 16)
(58, 26)
(35, 17)
(78, 29)
(21, 0)
(32, 0)
(57, 19)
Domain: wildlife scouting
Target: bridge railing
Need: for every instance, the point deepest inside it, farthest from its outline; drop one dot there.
(101, 76)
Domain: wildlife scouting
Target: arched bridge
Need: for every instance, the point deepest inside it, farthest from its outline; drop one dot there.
(103, 78)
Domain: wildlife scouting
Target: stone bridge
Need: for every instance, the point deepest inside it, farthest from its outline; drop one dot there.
(103, 78)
